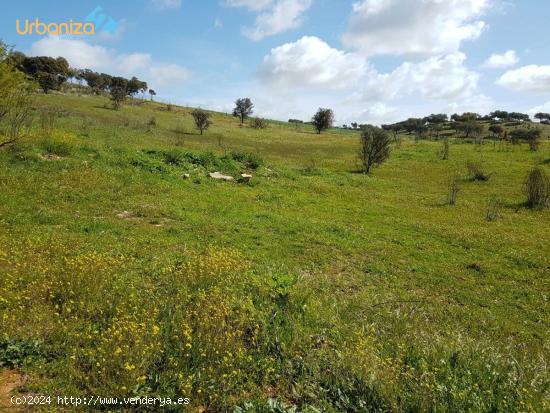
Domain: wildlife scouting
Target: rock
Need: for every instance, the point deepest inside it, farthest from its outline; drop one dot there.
(217, 175)
(245, 178)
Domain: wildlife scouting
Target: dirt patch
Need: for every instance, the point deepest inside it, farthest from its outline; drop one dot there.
(50, 157)
(10, 380)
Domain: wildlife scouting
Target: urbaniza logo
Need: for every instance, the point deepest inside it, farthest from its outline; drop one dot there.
(40, 28)
(94, 21)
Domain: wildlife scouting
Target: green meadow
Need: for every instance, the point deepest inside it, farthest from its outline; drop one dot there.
(128, 271)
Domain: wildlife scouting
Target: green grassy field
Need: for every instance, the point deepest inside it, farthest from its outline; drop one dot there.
(313, 286)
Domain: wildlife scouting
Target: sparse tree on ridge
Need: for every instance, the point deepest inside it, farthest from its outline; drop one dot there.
(135, 86)
(152, 93)
(118, 90)
(202, 119)
(323, 119)
(243, 108)
(375, 148)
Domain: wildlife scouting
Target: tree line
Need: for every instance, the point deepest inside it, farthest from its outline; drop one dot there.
(52, 73)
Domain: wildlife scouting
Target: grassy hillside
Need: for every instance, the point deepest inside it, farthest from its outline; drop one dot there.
(312, 285)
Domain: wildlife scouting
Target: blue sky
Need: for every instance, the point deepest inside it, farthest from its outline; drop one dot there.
(370, 60)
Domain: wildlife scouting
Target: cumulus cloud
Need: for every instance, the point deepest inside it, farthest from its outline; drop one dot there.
(81, 54)
(440, 77)
(352, 82)
(506, 59)
(531, 78)
(412, 27)
(166, 4)
(312, 62)
(275, 16)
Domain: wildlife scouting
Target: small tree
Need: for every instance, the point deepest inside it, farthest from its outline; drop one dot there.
(375, 148)
(152, 93)
(454, 189)
(537, 188)
(533, 138)
(323, 119)
(243, 108)
(496, 130)
(202, 119)
(445, 150)
(469, 128)
(118, 89)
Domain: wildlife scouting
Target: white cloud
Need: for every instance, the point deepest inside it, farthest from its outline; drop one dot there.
(254, 5)
(413, 27)
(312, 62)
(544, 108)
(166, 4)
(276, 16)
(532, 78)
(496, 61)
(440, 77)
(83, 55)
(350, 84)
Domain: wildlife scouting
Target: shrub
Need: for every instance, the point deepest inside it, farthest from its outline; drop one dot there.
(493, 210)
(375, 148)
(248, 159)
(531, 136)
(477, 171)
(537, 188)
(453, 190)
(445, 150)
(259, 123)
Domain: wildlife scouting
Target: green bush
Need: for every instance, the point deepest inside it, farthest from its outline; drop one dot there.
(248, 159)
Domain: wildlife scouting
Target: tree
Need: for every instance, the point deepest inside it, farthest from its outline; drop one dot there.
(465, 117)
(15, 99)
(499, 114)
(243, 108)
(323, 119)
(375, 148)
(436, 118)
(96, 81)
(135, 86)
(415, 125)
(469, 128)
(118, 90)
(49, 72)
(542, 116)
(47, 81)
(496, 130)
(152, 93)
(202, 119)
(531, 136)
